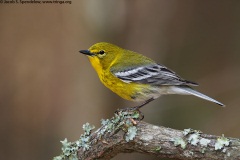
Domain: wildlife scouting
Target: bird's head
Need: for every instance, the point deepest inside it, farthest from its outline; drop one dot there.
(102, 54)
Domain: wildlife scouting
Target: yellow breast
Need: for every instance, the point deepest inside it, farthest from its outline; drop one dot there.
(123, 89)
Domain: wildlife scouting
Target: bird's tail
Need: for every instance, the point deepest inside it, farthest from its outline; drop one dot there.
(191, 91)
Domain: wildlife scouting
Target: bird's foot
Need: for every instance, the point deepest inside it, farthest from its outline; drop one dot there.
(134, 112)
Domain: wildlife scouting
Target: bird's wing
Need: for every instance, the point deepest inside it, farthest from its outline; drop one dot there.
(154, 74)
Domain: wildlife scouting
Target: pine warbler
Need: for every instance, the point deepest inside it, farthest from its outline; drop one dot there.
(135, 77)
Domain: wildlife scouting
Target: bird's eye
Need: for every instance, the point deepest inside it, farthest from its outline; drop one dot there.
(101, 52)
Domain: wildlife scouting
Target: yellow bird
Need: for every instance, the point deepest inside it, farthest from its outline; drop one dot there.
(135, 77)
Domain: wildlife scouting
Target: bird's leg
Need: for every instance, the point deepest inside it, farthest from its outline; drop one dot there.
(136, 108)
(143, 104)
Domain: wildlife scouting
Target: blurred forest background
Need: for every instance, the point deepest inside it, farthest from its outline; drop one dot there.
(49, 90)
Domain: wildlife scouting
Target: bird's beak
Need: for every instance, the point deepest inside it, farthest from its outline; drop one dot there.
(86, 52)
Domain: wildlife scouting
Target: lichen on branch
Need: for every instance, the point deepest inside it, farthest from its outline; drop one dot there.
(125, 133)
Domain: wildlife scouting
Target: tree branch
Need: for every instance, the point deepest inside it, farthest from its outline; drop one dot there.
(124, 134)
